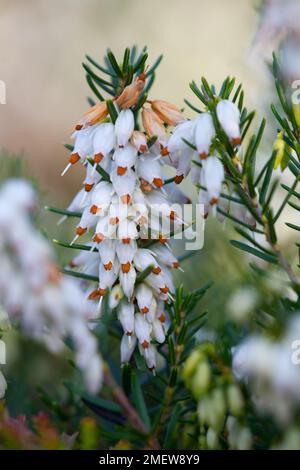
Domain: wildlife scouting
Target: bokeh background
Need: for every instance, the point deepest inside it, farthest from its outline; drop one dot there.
(44, 42)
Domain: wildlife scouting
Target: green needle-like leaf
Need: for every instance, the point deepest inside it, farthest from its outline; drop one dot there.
(55, 210)
(253, 251)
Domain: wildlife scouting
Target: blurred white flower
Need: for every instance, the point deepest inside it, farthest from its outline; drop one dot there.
(47, 305)
(3, 385)
(268, 367)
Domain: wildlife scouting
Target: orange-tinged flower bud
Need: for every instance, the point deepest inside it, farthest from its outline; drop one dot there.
(168, 112)
(131, 93)
(139, 141)
(153, 125)
(95, 114)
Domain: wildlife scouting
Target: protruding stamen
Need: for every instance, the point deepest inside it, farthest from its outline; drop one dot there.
(66, 169)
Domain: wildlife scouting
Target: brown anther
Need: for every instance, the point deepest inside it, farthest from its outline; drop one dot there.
(121, 170)
(98, 237)
(78, 127)
(162, 239)
(144, 310)
(145, 186)
(126, 199)
(88, 187)
(236, 141)
(214, 200)
(143, 148)
(108, 266)
(158, 182)
(126, 241)
(172, 215)
(156, 270)
(81, 230)
(114, 220)
(203, 155)
(164, 151)
(176, 265)
(162, 318)
(95, 294)
(178, 179)
(93, 209)
(164, 290)
(128, 333)
(126, 267)
(98, 157)
(74, 158)
(145, 344)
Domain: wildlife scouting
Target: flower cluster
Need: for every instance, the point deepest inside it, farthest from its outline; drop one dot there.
(192, 146)
(129, 213)
(270, 367)
(47, 305)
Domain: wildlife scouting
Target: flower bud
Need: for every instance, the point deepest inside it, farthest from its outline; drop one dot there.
(213, 178)
(153, 125)
(229, 117)
(127, 347)
(131, 93)
(167, 112)
(124, 127)
(142, 330)
(95, 114)
(204, 132)
(104, 140)
(235, 399)
(201, 380)
(139, 141)
(126, 317)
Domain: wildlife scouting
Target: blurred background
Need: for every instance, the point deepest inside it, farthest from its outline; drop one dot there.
(44, 43)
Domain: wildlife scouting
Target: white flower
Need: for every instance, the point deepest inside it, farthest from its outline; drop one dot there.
(124, 127)
(142, 330)
(126, 317)
(149, 169)
(139, 141)
(124, 158)
(204, 132)
(104, 141)
(3, 385)
(229, 117)
(144, 297)
(128, 344)
(213, 177)
(184, 130)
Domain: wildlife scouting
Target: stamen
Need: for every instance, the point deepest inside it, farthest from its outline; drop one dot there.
(66, 169)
